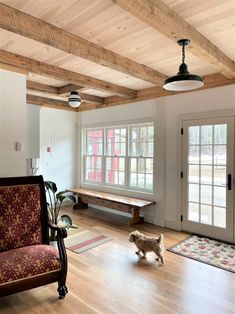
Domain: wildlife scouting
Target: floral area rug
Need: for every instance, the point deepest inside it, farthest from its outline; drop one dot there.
(207, 251)
(79, 240)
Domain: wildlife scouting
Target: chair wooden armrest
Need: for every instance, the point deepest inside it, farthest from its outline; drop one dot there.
(61, 231)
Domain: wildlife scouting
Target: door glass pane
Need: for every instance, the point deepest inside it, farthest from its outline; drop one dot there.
(193, 212)
(193, 174)
(206, 194)
(206, 214)
(193, 157)
(220, 155)
(194, 132)
(194, 193)
(220, 217)
(220, 134)
(206, 134)
(220, 196)
(206, 174)
(206, 154)
(220, 175)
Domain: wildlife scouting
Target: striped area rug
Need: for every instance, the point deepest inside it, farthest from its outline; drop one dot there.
(84, 240)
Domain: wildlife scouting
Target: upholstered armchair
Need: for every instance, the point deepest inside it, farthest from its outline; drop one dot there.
(26, 258)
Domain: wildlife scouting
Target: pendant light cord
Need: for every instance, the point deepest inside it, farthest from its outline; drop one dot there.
(183, 53)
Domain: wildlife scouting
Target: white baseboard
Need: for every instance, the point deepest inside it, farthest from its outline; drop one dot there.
(154, 221)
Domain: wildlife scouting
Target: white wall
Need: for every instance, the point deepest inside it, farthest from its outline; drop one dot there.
(36, 128)
(58, 130)
(33, 117)
(13, 123)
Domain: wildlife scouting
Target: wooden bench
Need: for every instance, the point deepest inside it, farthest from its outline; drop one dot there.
(121, 203)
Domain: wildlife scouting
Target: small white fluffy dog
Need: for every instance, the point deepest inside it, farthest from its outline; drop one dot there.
(146, 244)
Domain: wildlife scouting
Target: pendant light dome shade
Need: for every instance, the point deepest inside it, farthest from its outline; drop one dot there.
(74, 100)
(183, 81)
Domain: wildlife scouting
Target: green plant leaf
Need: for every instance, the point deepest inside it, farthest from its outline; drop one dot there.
(72, 198)
(64, 194)
(49, 185)
(66, 220)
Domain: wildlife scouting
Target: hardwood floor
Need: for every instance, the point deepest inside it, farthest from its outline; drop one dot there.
(111, 279)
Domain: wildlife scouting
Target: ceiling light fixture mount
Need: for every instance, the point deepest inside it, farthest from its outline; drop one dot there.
(183, 81)
(74, 100)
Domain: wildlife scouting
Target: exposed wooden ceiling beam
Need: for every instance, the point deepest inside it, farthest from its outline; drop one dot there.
(63, 90)
(52, 71)
(26, 25)
(211, 81)
(165, 20)
(47, 102)
(58, 104)
(92, 98)
(39, 87)
(8, 67)
(47, 89)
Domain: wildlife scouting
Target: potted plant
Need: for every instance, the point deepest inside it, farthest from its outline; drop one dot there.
(55, 200)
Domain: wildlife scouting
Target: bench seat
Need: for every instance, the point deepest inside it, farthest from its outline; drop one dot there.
(116, 202)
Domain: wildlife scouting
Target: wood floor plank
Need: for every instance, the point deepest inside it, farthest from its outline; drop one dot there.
(111, 279)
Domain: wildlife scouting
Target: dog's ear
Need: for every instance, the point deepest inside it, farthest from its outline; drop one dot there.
(132, 237)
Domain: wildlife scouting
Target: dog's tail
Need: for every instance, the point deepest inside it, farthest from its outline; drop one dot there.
(161, 238)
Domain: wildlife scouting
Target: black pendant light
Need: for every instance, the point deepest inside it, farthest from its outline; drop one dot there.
(183, 81)
(74, 99)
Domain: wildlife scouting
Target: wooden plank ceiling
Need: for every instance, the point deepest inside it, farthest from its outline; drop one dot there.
(114, 51)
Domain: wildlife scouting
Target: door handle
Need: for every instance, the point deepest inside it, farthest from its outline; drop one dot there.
(229, 182)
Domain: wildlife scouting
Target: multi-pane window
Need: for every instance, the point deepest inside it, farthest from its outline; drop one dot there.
(93, 155)
(141, 153)
(115, 155)
(120, 156)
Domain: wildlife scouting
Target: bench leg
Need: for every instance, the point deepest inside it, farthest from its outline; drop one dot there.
(80, 204)
(136, 219)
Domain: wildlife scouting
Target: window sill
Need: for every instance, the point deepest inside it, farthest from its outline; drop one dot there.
(116, 190)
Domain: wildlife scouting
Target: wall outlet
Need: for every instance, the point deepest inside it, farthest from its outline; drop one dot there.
(19, 146)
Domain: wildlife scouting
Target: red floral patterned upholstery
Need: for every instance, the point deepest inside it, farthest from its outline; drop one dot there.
(20, 222)
(28, 262)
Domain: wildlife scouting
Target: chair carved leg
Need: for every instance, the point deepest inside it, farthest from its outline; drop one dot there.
(63, 290)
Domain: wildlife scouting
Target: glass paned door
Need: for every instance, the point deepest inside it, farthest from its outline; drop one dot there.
(207, 177)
